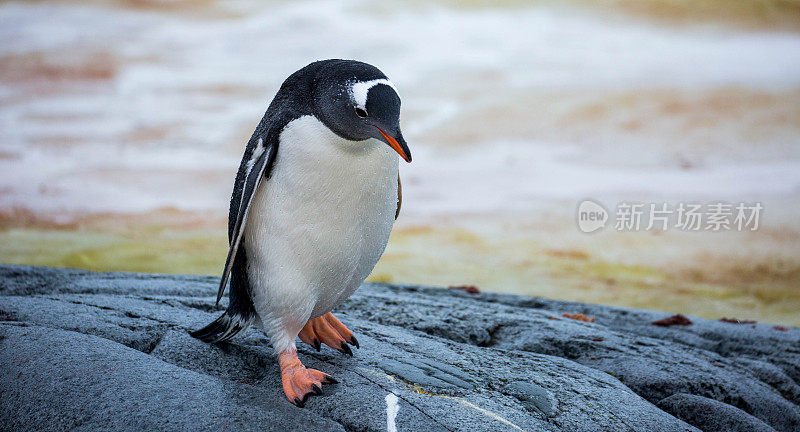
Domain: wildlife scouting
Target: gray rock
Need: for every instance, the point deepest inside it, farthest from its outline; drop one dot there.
(82, 350)
(709, 414)
(534, 397)
(62, 380)
(751, 367)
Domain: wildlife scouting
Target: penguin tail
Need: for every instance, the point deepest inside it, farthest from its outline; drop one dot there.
(224, 328)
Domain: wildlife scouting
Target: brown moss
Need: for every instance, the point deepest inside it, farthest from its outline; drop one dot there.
(678, 319)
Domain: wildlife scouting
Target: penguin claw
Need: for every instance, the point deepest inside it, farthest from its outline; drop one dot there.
(317, 345)
(299, 403)
(316, 389)
(346, 349)
(354, 341)
(330, 380)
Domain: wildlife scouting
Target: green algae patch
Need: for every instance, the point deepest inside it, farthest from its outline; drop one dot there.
(164, 251)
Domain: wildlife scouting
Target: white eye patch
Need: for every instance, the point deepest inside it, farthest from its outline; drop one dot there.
(360, 89)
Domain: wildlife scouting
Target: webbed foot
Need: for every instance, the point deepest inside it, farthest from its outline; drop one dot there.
(328, 330)
(298, 381)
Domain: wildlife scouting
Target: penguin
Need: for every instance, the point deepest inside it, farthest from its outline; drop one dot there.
(313, 204)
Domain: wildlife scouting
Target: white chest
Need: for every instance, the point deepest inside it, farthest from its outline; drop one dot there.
(319, 225)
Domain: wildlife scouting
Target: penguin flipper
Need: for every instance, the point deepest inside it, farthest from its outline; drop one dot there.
(399, 197)
(257, 164)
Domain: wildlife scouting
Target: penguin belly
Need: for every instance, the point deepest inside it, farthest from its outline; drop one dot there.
(317, 228)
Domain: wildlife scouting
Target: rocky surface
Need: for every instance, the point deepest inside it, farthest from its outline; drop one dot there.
(88, 351)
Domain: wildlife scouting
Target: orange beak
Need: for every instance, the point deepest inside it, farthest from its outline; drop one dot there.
(401, 149)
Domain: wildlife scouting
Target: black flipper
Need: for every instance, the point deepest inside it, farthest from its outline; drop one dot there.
(256, 165)
(260, 165)
(399, 197)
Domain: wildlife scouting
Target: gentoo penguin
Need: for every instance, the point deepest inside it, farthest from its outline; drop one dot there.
(314, 201)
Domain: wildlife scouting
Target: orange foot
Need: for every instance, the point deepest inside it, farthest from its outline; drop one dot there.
(330, 331)
(298, 381)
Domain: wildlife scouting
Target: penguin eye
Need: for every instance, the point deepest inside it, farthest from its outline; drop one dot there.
(360, 112)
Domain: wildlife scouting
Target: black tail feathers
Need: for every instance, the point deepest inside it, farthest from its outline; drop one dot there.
(230, 324)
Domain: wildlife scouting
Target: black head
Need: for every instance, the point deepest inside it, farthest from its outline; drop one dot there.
(358, 102)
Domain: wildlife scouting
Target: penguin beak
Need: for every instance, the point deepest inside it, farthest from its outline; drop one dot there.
(398, 144)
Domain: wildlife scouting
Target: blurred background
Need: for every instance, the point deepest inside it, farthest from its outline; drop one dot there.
(122, 124)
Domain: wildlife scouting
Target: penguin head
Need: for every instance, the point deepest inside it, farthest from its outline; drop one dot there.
(357, 102)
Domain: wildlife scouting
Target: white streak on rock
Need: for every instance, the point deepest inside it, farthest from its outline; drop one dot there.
(392, 408)
(486, 412)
